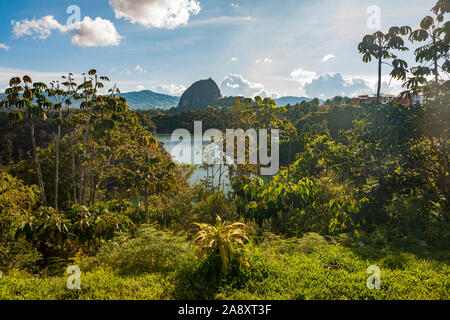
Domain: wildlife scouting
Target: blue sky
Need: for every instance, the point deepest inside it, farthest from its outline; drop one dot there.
(275, 48)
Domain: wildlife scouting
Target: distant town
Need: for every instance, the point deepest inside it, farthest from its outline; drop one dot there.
(386, 98)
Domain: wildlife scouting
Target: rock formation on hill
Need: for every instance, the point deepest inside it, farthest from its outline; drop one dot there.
(200, 95)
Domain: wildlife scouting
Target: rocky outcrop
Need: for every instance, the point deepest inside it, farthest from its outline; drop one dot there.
(200, 95)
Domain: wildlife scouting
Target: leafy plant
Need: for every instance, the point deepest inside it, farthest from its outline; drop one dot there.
(24, 96)
(222, 239)
(380, 46)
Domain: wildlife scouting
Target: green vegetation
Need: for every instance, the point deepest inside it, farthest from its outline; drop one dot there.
(360, 186)
(156, 265)
(220, 239)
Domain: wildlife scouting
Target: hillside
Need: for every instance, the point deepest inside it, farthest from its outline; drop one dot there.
(149, 100)
(141, 100)
(284, 101)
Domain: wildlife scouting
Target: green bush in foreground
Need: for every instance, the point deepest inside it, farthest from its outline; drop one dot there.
(308, 268)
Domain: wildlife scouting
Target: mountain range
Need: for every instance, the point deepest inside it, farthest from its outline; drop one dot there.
(284, 101)
(141, 100)
(149, 100)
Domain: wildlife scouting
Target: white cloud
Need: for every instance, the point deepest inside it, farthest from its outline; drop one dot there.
(86, 33)
(171, 89)
(331, 85)
(4, 46)
(233, 59)
(303, 76)
(42, 27)
(140, 88)
(266, 60)
(95, 33)
(235, 5)
(236, 85)
(167, 14)
(328, 57)
(334, 84)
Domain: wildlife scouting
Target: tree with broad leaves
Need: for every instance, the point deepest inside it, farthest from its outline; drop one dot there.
(441, 7)
(70, 86)
(433, 56)
(25, 96)
(380, 46)
(93, 104)
(60, 97)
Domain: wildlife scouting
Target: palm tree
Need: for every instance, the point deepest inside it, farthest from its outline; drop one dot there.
(20, 97)
(71, 88)
(55, 92)
(61, 97)
(92, 103)
(442, 7)
(379, 45)
(221, 239)
(434, 55)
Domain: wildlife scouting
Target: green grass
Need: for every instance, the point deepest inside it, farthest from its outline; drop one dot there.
(101, 284)
(309, 268)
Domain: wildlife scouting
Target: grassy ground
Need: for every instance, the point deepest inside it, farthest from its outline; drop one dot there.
(157, 265)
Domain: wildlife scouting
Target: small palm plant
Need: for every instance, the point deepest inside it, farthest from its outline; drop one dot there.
(222, 239)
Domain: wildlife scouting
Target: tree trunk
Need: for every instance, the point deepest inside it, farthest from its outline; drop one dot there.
(74, 183)
(93, 189)
(380, 62)
(289, 162)
(37, 163)
(220, 176)
(84, 177)
(435, 60)
(58, 140)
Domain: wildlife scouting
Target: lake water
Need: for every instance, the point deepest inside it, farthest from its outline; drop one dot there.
(200, 173)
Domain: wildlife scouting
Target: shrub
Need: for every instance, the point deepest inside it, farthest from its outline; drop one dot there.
(150, 251)
(16, 202)
(223, 239)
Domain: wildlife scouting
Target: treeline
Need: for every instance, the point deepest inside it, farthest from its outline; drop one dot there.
(307, 117)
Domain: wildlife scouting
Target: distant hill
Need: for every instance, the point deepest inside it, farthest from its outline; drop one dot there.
(149, 100)
(200, 95)
(142, 100)
(284, 101)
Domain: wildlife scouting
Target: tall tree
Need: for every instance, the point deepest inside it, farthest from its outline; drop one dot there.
(380, 46)
(20, 97)
(70, 86)
(92, 103)
(433, 56)
(60, 97)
